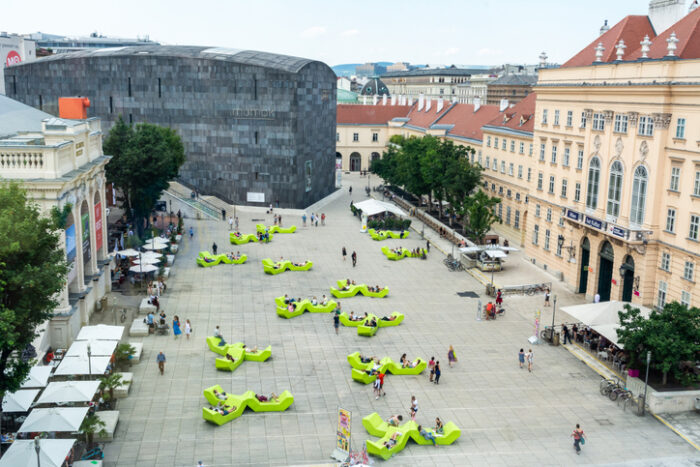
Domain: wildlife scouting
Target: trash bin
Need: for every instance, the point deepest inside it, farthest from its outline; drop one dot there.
(697, 403)
(640, 405)
(555, 340)
(489, 290)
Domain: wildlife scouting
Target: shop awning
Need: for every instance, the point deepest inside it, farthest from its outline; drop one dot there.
(602, 317)
(372, 207)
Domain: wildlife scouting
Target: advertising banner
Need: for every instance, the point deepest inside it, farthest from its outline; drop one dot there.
(98, 226)
(85, 223)
(343, 436)
(70, 243)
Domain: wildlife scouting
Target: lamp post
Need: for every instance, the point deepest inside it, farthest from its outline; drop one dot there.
(89, 352)
(646, 382)
(554, 312)
(37, 448)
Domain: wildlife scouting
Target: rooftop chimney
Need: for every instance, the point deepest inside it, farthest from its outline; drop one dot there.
(664, 13)
(543, 60)
(427, 104)
(73, 108)
(477, 103)
(604, 28)
(504, 105)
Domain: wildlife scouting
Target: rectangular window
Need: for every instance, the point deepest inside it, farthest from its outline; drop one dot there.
(512, 146)
(598, 122)
(337, 137)
(688, 270)
(536, 235)
(160, 94)
(479, 157)
(503, 167)
(620, 123)
(500, 208)
(516, 219)
(564, 186)
(558, 248)
(671, 220)
(256, 137)
(675, 178)
(561, 221)
(530, 153)
(685, 298)
(522, 148)
(511, 166)
(569, 118)
(504, 143)
(583, 119)
(488, 141)
(646, 126)
(488, 162)
(567, 156)
(538, 209)
(694, 225)
(375, 137)
(540, 181)
(577, 192)
(666, 261)
(255, 88)
(520, 171)
(111, 105)
(544, 116)
(551, 184)
(508, 215)
(543, 148)
(680, 128)
(546, 239)
(495, 142)
(662, 294)
(549, 215)
(517, 196)
(554, 154)
(579, 159)
(556, 117)
(696, 186)
(508, 193)
(529, 174)
(494, 167)
(129, 85)
(356, 137)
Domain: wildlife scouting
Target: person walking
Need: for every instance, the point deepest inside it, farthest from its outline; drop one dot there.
(529, 357)
(350, 191)
(451, 357)
(336, 321)
(578, 438)
(191, 232)
(414, 408)
(431, 368)
(303, 219)
(354, 259)
(377, 388)
(427, 245)
(546, 297)
(316, 221)
(236, 222)
(521, 358)
(499, 298)
(188, 329)
(214, 247)
(345, 253)
(437, 372)
(323, 218)
(313, 216)
(565, 333)
(279, 220)
(160, 358)
(230, 223)
(176, 327)
(380, 378)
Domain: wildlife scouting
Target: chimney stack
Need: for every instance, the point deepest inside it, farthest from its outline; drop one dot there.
(477, 103)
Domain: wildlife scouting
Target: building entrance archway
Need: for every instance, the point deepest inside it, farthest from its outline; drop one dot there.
(355, 162)
(585, 259)
(627, 279)
(605, 271)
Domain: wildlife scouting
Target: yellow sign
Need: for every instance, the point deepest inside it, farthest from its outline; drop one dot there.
(343, 435)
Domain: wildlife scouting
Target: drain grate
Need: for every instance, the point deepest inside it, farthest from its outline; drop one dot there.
(603, 421)
(576, 375)
(258, 220)
(468, 294)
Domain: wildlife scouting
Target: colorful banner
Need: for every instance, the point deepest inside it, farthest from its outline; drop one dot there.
(343, 436)
(70, 243)
(85, 223)
(98, 226)
(537, 323)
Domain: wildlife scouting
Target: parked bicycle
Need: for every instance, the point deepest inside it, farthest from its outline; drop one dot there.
(453, 264)
(608, 385)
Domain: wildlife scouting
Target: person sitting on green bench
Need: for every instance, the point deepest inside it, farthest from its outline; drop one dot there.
(427, 435)
(395, 420)
(389, 318)
(391, 442)
(354, 317)
(217, 333)
(403, 360)
(324, 300)
(236, 234)
(230, 358)
(439, 427)
(314, 301)
(262, 398)
(220, 395)
(366, 359)
(371, 323)
(291, 307)
(208, 260)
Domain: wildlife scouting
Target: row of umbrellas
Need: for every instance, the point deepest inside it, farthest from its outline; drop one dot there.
(145, 262)
(52, 452)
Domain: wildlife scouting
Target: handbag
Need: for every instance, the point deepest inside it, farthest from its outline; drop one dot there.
(583, 440)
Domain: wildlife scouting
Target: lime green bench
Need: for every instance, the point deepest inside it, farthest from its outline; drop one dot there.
(386, 365)
(276, 229)
(241, 402)
(404, 254)
(384, 234)
(301, 307)
(206, 259)
(355, 289)
(240, 239)
(237, 352)
(274, 268)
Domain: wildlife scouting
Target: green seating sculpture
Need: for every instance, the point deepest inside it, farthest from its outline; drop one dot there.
(384, 234)
(206, 259)
(241, 402)
(355, 289)
(359, 371)
(405, 253)
(237, 352)
(240, 239)
(375, 426)
(274, 268)
(369, 331)
(275, 229)
(301, 307)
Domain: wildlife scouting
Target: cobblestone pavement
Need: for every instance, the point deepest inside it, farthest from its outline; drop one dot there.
(507, 415)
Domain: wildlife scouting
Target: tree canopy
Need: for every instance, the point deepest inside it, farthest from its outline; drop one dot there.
(32, 272)
(144, 159)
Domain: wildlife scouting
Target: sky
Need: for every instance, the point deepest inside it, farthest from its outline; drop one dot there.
(439, 32)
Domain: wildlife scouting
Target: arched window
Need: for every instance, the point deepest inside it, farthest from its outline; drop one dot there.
(593, 183)
(615, 189)
(639, 194)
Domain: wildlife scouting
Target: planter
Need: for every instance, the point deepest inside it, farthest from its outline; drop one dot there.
(633, 373)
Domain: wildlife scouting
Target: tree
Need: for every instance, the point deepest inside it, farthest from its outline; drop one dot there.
(671, 334)
(144, 159)
(32, 272)
(479, 212)
(92, 424)
(109, 383)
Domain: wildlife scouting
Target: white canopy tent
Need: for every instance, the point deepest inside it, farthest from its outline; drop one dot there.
(19, 401)
(128, 252)
(372, 207)
(38, 377)
(22, 453)
(98, 348)
(100, 332)
(486, 248)
(602, 317)
(69, 391)
(82, 366)
(151, 254)
(54, 419)
(495, 253)
(143, 268)
(149, 260)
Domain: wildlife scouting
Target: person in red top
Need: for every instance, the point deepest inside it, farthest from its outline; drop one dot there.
(489, 310)
(380, 377)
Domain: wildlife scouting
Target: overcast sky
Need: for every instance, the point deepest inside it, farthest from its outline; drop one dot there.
(484, 32)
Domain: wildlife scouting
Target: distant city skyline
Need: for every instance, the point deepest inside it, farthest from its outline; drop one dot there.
(440, 33)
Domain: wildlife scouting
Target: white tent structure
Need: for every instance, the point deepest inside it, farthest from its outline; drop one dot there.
(69, 391)
(22, 453)
(82, 366)
(372, 207)
(602, 317)
(101, 348)
(54, 419)
(128, 252)
(100, 332)
(38, 377)
(19, 401)
(143, 268)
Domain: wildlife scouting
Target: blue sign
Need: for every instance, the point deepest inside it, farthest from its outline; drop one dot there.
(617, 231)
(595, 223)
(70, 243)
(573, 215)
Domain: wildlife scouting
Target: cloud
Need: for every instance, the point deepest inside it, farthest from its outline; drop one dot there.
(487, 52)
(451, 51)
(350, 32)
(314, 31)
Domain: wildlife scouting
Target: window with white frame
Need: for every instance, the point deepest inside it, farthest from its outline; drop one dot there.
(500, 209)
(543, 148)
(567, 156)
(671, 220)
(598, 122)
(516, 219)
(375, 137)
(696, 185)
(540, 180)
(480, 158)
(544, 116)
(556, 117)
(530, 151)
(504, 143)
(615, 189)
(583, 119)
(675, 178)
(564, 186)
(500, 190)
(503, 167)
(520, 171)
(529, 174)
(694, 226)
(508, 192)
(554, 154)
(537, 210)
(337, 137)
(355, 137)
(569, 118)
(620, 123)
(561, 221)
(685, 298)
(577, 192)
(593, 183)
(522, 148)
(495, 142)
(551, 184)
(645, 126)
(546, 239)
(688, 270)
(494, 167)
(558, 249)
(661, 300)
(511, 167)
(508, 215)
(512, 146)
(579, 159)
(549, 215)
(517, 196)
(488, 162)
(666, 261)
(680, 128)
(536, 235)
(488, 141)
(639, 195)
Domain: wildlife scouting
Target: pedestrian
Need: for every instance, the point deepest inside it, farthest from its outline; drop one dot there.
(160, 358)
(214, 247)
(431, 367)
(578, 438)
(223, 214)
(176, 326)
(354, 259)
(427, 245)
(499, 298)
(188, 329)
(279, 220)
(316, 221)
(191, 232)
(179, 214)
(414, 408)
(303, 219)
(521, 358)
(546, 297)
(270, 207)
(323, 218)
(217, 333)
(230, 223)
(336, 321)
(313, 216)
(529, 356)
(377, 386)
(451, 357)
(596, 298)
(380, 377)
(437, 372)
(236, 223)
(345, 253)
(565, 332)
(350, 191)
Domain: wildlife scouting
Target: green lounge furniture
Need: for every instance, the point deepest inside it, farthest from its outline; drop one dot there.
(213, 343)
(345, 320)
(301, 307)
(274, 268)
(275, 229)
(362, 328)
(241, 402)
(240, 239)
(237, 352)
(386, 365)
(384, 234)
(368, 331)
(206, 259)
(375, 426)
(383, 323)
(355, 289)
(404, 254)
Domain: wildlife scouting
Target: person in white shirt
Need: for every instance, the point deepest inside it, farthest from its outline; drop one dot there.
(217, 333)
(596, 298)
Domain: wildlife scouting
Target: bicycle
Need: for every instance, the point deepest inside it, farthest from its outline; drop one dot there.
(626, 398)
(453, 264)
(534, 289)
(607, 385)
(617, 392)
(547, 333)
(122, 316)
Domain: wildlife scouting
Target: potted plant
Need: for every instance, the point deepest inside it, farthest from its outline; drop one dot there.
(92, 424)
(123, 355)
(110, 382)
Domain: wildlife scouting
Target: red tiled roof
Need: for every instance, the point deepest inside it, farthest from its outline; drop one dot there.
(468, 123)
(370, 114)
(687, 31)
(423, 119)
(524, 109)
(631, 29)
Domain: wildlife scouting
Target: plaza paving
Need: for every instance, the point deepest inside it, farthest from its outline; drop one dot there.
(507, 415)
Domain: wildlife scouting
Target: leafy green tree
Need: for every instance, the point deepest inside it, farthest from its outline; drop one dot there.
(109, 383)
(92, 424)
(144, 159)
(32, 272)
(671, 334)
(479, 212)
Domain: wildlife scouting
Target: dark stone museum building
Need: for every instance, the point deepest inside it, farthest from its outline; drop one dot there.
(257, 127)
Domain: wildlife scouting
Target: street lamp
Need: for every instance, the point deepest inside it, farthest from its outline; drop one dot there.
(646, 382)
(89, 351)
(37, 448)
(554, 312)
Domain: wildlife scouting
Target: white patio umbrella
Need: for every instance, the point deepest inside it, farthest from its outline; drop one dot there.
(54, 419)
(147, 260)
(22, 453)
(98, 348)
(69, 391)
(19, 401)
(100, 332)
(151, 254)
(82, 366)
(155, 246)
(143, 268)
(128, 252)
(38, 377)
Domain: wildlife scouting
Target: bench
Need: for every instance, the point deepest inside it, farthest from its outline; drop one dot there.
(145, 307)
(138, 328)
(122, 390)
(110, 419)
(138, 347)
